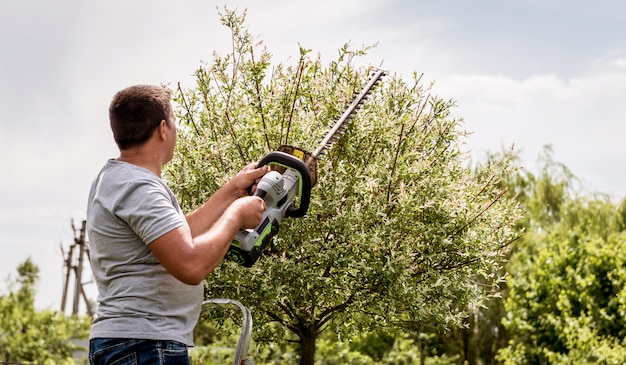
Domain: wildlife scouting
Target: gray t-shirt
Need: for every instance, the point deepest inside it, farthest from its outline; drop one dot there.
(128, 208)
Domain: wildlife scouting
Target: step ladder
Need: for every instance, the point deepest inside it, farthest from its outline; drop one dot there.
(243, 343)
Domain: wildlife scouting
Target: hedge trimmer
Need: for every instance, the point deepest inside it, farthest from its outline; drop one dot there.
(293, 174)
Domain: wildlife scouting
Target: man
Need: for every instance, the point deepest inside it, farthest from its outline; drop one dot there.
(148, 259)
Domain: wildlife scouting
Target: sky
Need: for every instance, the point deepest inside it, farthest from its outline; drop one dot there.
(525, 73)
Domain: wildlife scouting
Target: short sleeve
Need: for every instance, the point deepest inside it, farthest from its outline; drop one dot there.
(150, 209)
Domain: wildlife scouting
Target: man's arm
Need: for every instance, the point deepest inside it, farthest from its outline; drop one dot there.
(191, 259)
(203, 218)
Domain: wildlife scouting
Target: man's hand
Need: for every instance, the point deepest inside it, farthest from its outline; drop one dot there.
(247, 178)
(250, 210)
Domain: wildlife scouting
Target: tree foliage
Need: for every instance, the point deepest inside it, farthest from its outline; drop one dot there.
(567, 295)
(398, 230)
(29, 335)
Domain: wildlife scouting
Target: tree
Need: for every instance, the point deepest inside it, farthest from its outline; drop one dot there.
(398, 228)
(567, 288)
(542, 194)
(35, 336)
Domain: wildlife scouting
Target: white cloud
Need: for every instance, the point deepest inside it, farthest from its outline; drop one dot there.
(579, 116)
(619, 63)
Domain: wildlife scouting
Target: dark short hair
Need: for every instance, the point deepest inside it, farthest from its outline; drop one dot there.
(136, 111)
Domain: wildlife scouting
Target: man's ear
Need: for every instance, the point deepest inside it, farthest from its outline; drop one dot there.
(161, 130)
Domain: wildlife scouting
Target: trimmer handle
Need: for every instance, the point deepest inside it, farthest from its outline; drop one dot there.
(304, 188)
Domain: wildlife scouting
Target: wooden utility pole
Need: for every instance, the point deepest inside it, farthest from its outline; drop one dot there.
(77, 269)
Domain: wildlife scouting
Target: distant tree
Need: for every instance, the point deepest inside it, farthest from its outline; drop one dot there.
(29, 335)
(621, 222)
(567, 288)
(398, 229)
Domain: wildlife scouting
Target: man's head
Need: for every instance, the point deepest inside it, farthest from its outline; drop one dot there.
(135, 113)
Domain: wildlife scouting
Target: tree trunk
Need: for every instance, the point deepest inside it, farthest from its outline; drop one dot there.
(307, 346)
(422, 348)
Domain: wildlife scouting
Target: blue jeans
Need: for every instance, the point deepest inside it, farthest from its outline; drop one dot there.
(124, 351)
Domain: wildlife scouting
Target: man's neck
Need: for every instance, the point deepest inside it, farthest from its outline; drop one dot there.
(141, 158)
